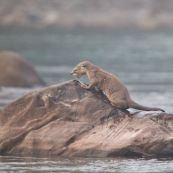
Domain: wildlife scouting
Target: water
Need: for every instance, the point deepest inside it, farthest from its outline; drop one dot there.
(142, 59)
(81, 165)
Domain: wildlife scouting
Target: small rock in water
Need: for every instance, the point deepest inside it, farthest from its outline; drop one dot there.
(17, 72)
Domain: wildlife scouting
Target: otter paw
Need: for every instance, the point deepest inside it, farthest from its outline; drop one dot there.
(84, 86)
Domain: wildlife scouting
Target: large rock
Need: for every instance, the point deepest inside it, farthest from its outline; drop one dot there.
(65, 119)
(16, 72)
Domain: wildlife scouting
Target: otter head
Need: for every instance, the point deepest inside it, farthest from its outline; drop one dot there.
(80, 69)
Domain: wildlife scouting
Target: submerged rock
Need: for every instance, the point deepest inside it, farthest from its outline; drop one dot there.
(16, 72)
(67, 120)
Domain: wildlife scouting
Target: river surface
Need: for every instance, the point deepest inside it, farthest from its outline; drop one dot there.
(142, 59)
(81, 165)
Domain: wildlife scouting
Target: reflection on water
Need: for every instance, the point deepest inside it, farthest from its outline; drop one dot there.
(79, 165)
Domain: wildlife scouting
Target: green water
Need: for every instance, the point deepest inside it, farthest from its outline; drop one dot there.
(143, 60)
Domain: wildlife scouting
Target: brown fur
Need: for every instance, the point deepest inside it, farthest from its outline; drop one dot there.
(112, 86)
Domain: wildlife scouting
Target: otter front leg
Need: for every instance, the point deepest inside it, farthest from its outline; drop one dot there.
(90, 86)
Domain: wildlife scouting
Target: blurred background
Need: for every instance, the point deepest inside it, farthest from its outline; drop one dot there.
(132, 39)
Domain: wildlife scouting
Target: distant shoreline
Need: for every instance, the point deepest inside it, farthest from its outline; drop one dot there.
(89, 14)
(21, 29)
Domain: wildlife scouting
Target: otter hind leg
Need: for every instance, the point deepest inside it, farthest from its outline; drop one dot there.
(121, 104)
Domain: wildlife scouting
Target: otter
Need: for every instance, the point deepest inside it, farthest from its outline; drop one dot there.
(111, 86)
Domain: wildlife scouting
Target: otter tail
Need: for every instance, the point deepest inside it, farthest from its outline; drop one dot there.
(135, 105)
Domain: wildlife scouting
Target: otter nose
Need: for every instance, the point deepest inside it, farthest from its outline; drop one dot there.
(71, 73)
